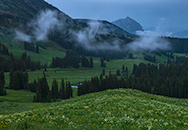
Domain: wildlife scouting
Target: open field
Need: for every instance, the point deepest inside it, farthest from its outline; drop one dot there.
(111, 109)
(79, 75)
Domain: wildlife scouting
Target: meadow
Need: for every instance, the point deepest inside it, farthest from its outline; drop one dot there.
(76, 76)
(107, 110)
(111, 109)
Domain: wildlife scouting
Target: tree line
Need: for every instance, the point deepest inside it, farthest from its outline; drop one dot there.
(22, 64)
(166, 80)
(71, 59)
(12, 63)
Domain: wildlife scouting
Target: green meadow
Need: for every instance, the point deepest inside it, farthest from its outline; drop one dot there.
(108, 110)
(112, 109)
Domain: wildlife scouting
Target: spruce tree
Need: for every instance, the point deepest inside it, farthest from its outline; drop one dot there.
(14, 81)
(91, 62)
(2, 91)
(68, 90)
(42, 90)
(37, 49)
(118, 72)
(62, 92)
(54, 90)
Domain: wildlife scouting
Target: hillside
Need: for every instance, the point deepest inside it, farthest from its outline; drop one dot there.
(16, 13)
(39, 20)
(111, 109)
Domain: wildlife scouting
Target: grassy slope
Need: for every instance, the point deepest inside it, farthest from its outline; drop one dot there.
(44, 56)
(111, 109)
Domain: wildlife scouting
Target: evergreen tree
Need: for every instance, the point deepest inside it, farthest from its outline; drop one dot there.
(37, 49)
(118, 72)
(2, 89)
(15, 81)
(42, 90)
(102, 63)
(54, 90)
(91, 62)
(103, 72)
(123, 68)
(68, 90)
(62, 92)
(2, 78)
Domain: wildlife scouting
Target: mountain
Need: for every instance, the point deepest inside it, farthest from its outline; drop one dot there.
(129, 25)
(28, 16)
(108, 27)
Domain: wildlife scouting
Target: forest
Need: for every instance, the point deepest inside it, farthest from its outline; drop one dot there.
(164, 79)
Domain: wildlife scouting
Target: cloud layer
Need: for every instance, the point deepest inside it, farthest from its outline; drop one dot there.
(149, 41)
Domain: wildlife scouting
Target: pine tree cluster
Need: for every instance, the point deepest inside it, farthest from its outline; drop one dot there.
(22, 64)
(71, 59)
(31, 47)
(18, 80)
(167, 80)
(150, 58)
(44, 94)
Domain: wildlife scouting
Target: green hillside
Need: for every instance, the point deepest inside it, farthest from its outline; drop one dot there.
(15, 13)
(47, 49)
(111, 109)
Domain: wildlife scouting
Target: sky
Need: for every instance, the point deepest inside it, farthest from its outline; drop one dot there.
(149, 13)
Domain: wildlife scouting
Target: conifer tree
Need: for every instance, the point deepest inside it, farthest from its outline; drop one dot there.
(118, 72)
(42, 90)
(37, 49)
(54, 90)
(2, 91)
(2, 78)
(62, 92)
(123, 68)
(91, 62)
(68, 90)
(103, 72)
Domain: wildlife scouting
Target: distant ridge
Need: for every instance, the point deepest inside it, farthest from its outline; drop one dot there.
(129, 25)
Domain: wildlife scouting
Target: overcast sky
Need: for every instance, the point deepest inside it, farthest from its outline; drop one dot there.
(149, 13)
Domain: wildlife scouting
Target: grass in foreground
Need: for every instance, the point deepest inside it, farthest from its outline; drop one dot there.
(111, 109)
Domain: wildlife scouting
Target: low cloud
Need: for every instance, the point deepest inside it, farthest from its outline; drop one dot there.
(45, 22)
(149, 41)
(41, 26)
(22, 36)
(89, 38)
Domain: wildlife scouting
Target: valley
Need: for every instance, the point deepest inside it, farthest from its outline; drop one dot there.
(125, 77)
